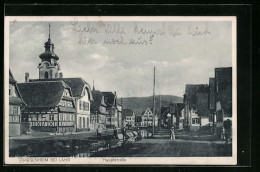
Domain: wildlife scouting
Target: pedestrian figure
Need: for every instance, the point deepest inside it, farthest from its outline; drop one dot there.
(123, 132)
(227, 126)
(99, 131)
(172, 134)
(115, 133)
(223, 134)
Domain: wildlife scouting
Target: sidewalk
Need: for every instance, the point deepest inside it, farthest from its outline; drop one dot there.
(42, 135)
(62, 145)
(165, 134)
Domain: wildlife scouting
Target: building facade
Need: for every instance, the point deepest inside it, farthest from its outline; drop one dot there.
(196, 102)
(128, 117)
(147, 118)
(49, 70)
(176, 114)
(112, 119)
(223, 97)
(50, 107)
(189, 113)
(81, 93)
(98, 110)
(15, 104)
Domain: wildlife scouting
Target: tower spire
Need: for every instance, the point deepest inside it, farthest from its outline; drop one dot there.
(93, 85)
(49, 31)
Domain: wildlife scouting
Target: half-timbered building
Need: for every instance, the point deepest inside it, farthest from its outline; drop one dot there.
(98, 109)
(112, 119)
(81, 93)
(50, 106)
(15, 103)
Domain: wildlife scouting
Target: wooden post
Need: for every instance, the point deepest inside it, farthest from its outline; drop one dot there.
(153, 98)
(58, 120)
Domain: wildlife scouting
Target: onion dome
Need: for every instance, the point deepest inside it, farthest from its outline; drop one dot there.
(49, 50)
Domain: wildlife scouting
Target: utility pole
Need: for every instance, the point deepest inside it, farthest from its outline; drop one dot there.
(147, 125)
(153, 99)
(159, 119)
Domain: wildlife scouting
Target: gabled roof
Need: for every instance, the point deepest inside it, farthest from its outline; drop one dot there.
(190, 89)
(11, 78)
(15, 100)
(97, 101)
(127, 112)
(180, 106)
(202, 87)
(110, 98)
(165, 109)
(42, 94)
(76, 84)
(174, 107)
(200, 100)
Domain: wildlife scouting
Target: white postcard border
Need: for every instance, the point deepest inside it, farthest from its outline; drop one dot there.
(121, 160)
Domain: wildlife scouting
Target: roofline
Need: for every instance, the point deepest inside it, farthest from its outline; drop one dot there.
(10, 72)
(88, 86)
(19, 94)
(224, 67)
(62, 79)
(16, 87)
(63, 84)
(198, 89)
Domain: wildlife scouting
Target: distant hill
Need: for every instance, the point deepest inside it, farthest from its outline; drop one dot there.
(139, 104)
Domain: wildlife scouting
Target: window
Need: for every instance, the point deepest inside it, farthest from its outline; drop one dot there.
(87, 122)
(195, 121)
(46, 75)
(80, 126)
(84, 105)
(51, 117)
(10, 90)
(79, 104)
(87, 106)
(84, 125)
(15, 110)
(66, 93)
(69, 104)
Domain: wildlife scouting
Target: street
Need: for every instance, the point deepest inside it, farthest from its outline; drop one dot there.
(186, 144)
(168, 148)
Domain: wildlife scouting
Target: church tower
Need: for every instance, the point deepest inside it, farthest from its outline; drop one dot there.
(49, 67)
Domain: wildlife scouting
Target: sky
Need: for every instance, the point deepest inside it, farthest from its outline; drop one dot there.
(120, 55)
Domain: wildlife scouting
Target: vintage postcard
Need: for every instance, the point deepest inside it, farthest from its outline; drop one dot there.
(103, 90)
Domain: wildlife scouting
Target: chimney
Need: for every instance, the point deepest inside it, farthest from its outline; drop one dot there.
(26, 77)
(61, 75)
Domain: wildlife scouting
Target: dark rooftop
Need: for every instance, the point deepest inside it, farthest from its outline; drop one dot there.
(97, 101)
(223, 81)
(76, 85)
(190, 89)
(11, 78)
(110, 98)
(42, 94)
(127, 112)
